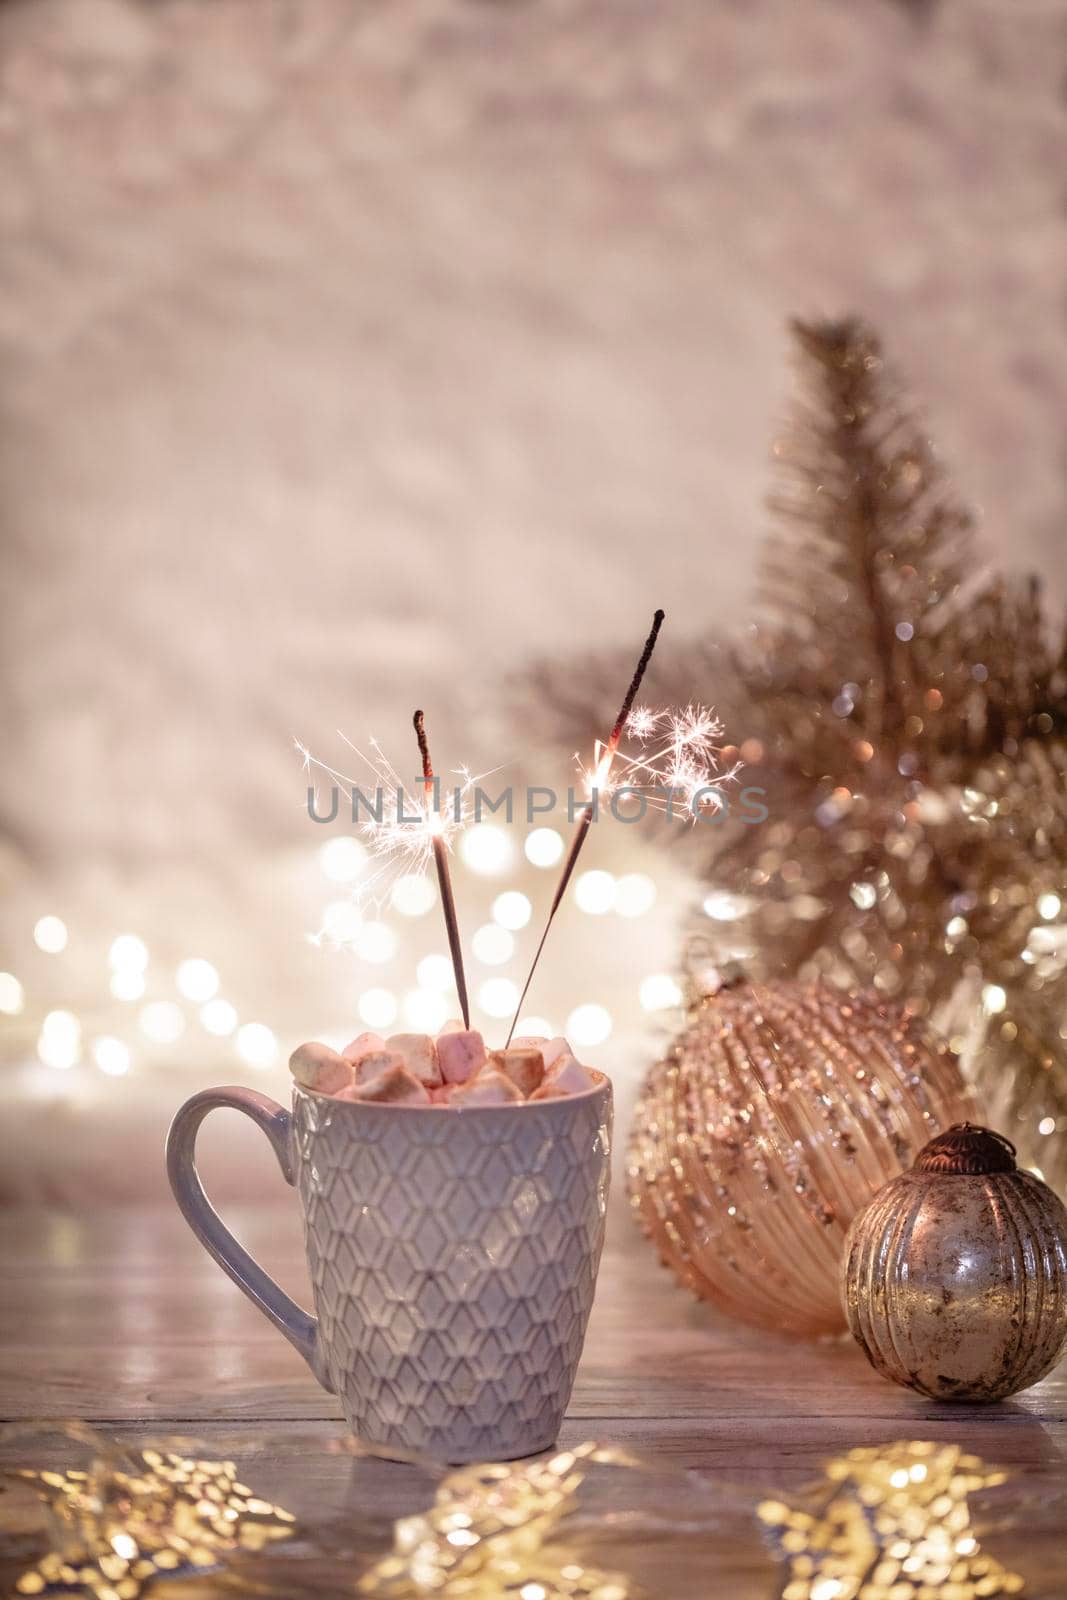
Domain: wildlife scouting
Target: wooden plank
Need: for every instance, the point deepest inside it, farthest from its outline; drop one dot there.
(123, 1319)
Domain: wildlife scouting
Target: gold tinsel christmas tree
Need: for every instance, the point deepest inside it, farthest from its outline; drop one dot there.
(910, 728)
(907, 718)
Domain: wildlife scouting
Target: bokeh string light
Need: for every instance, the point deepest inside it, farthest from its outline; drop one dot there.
(544, 847)
(65, 1040)
(12, 995)
(150, 1020)
(159, 1004)
(50, 935)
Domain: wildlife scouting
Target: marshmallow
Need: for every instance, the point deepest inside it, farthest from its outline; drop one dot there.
(521, 1063)
(568, 1076)
(460, 1054)
(554, 1050)
(551, 1049)
(372, 1066)
(395, 1086)
(419, 1055)
(317, 1067)
(489, 1088)
(364, 1044)
(453, 1025)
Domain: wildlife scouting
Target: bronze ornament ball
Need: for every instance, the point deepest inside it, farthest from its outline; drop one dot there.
(954, 1279)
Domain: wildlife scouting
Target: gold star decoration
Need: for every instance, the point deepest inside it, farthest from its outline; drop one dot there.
(130, 1519)
(895, 1525)
(486, 1533)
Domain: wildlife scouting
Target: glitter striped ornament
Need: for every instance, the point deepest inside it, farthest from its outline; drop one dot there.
(777, 1114)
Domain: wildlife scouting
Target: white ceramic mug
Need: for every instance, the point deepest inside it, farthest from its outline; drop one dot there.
(453, 1258)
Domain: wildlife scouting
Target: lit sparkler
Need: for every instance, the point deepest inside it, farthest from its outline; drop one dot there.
(668, 758)
(397, 824)
(605, 756)
(434, 824)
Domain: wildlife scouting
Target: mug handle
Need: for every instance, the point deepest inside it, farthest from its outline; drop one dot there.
(298, 1326)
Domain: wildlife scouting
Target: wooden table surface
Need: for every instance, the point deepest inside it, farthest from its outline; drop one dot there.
(123, 1320)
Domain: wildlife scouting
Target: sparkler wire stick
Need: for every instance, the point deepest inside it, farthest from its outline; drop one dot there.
(444, 876)
(603, 769)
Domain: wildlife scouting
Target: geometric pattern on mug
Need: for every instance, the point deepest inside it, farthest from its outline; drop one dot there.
(453, 1259)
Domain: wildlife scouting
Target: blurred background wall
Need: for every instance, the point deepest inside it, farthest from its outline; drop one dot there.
(359, 355)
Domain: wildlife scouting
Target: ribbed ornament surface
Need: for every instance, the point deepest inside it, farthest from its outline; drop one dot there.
(778, 1113)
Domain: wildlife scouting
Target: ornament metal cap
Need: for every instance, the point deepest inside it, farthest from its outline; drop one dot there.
(966, 1150)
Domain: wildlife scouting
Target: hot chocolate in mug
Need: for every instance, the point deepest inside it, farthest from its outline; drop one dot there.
(453, 1256)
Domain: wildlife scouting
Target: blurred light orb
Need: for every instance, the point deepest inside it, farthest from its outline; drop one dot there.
(377, 1007)
(12, 995)
(487, 849)
(162, 1021)
(111, 1056)
(435, 972)
(341, 921)
(342, 859)
(722, 907)
(197, 979)
(492, 945)
(127, 983)
(256, 1044)
(375, 941)
(128, 952)
(588, 1024)
(533, 1028)
(1048, 906)
(994, 999)
(635, 893)
(544, 847)
(498, 997)
(218, 1017)
(512, 910)
(50, 935)
(659, 992)
(413, 895)
(59, 1044)
(425, 1010)
(595, 891)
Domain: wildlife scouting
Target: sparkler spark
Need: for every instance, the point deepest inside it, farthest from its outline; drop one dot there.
(398, 822)
(672, 762)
